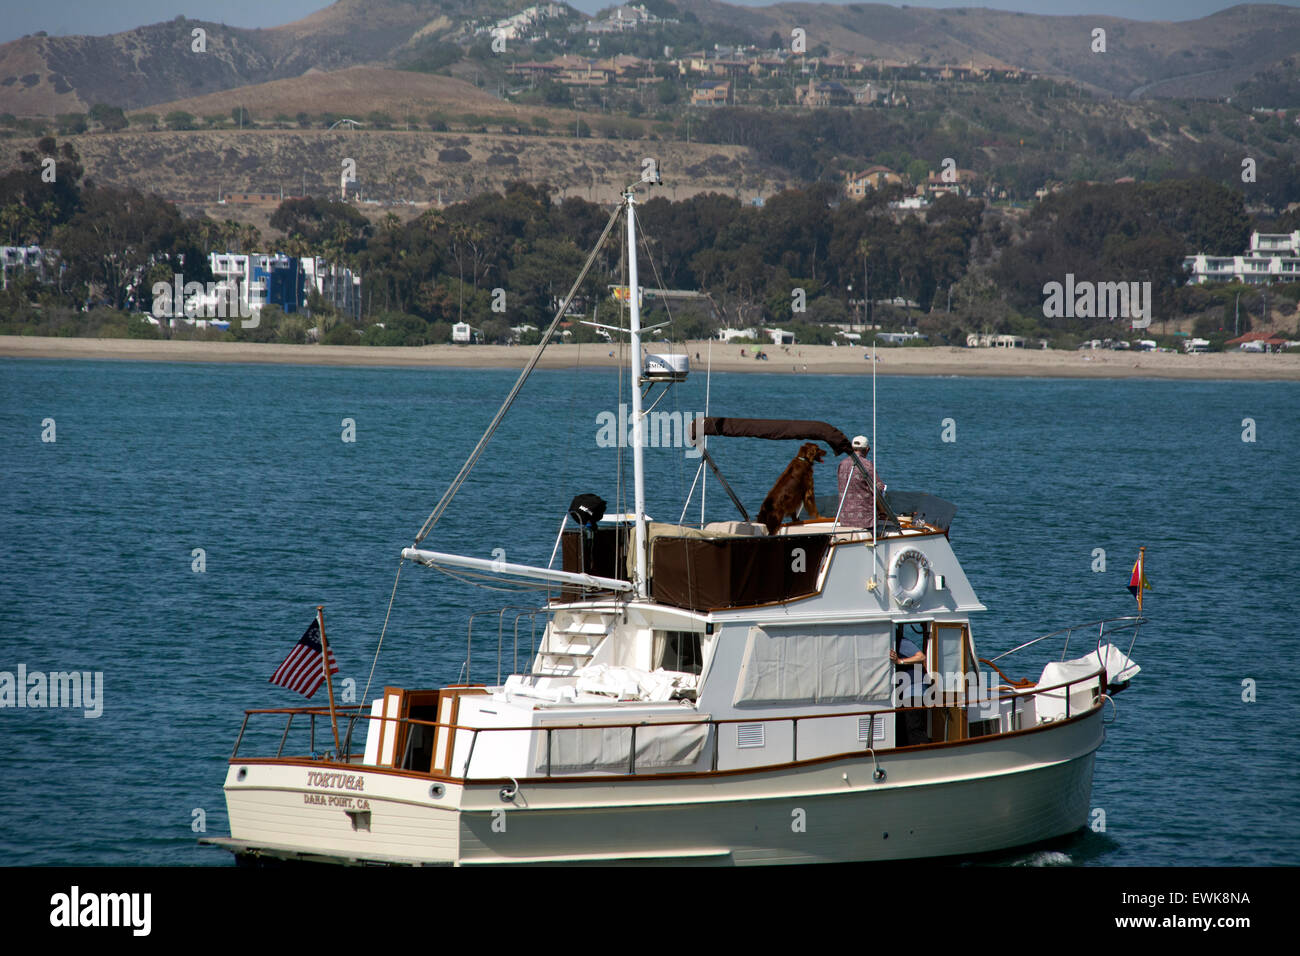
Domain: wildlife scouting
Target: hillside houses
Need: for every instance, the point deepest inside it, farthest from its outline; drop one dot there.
(827, 93)
(525, 23)
(623, 19)
(857, 185)
(963, 183)
(711, 93)
(570, 70)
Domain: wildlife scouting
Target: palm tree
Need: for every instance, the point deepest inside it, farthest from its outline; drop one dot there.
(864, 250)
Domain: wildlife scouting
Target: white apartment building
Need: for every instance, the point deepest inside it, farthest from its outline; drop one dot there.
(337, 285)
(15, 260)
(1272, 257)
(262, 278)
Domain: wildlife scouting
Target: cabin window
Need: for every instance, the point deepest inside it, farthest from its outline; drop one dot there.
(815, 664)
(678, 651)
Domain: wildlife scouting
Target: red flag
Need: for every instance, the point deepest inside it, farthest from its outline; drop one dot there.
(1137, 582)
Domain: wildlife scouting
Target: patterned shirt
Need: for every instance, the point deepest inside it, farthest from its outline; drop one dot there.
(859, 504)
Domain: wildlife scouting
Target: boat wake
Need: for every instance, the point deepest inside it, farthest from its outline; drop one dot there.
(1045, 858)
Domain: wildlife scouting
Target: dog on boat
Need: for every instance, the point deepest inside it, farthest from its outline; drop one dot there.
(792, 489)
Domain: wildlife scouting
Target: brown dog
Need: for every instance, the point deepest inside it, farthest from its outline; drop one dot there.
(792, 489)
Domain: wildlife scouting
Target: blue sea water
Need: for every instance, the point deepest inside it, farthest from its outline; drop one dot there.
(151, 461)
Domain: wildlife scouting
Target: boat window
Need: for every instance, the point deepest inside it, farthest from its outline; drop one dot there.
(678, 651)
(815, 664)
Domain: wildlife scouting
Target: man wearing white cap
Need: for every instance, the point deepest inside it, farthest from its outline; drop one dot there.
(859, 507)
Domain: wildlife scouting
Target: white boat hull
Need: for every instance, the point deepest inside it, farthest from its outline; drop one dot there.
(975, 797)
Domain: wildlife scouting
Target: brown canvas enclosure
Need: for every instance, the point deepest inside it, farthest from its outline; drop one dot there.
(706, 574)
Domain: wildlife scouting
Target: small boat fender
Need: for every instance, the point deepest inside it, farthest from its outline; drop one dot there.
(909, 597)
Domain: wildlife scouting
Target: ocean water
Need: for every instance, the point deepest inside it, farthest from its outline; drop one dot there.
(98, 531)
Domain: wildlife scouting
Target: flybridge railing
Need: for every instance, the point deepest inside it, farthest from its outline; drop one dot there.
(523, 611)
(714, 725)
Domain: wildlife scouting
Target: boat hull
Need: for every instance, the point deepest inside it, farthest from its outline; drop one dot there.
(975, 797)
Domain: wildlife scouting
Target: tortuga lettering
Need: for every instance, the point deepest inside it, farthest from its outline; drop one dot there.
(338, 781)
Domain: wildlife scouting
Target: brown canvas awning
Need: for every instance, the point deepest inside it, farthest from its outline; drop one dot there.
(776, 429)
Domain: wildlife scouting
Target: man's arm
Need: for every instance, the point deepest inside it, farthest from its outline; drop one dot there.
(917, 658)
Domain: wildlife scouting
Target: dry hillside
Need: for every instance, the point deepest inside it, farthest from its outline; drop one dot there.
(359, 90)
(191, 167)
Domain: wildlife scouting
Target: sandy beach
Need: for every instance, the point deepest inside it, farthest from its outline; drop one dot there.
(801, 359)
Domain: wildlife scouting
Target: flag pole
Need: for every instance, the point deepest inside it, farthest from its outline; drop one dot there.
(1142, 575)
(329, 684)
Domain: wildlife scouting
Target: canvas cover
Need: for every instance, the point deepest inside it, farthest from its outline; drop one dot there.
(710, 573)
(606, 749)
(1050, 705)
(815, 664)
(777, 429)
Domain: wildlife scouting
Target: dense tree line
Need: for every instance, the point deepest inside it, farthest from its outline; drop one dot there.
(502, 260)
(1124, 232)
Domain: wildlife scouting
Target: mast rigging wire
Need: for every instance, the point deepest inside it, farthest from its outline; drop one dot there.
(474, 456)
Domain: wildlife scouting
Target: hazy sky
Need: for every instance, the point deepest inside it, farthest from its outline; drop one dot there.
(19, 17)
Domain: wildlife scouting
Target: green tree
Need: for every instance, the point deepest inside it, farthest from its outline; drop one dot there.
(111, 118)
(918, 170)
(72, 123)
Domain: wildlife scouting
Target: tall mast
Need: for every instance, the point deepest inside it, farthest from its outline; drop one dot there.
(638, 425)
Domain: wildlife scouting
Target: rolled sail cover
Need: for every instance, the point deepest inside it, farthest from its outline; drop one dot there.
(776, 429)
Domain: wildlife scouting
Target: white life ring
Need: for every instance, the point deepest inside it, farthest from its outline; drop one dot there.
(909, 597)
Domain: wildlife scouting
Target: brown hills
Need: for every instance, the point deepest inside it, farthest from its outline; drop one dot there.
(357, 91)
(156, 64)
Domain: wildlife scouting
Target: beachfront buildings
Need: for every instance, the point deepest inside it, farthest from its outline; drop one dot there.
(339, 286)
(260, 279)
(19, 260)
(1272, 257)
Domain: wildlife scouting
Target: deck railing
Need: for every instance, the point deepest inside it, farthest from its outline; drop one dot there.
(1119, 625)
(352, 713)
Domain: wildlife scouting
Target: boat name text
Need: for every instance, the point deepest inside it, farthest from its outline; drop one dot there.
(336, 781)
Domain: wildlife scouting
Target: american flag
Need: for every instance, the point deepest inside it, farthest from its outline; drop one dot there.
(301, 670)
